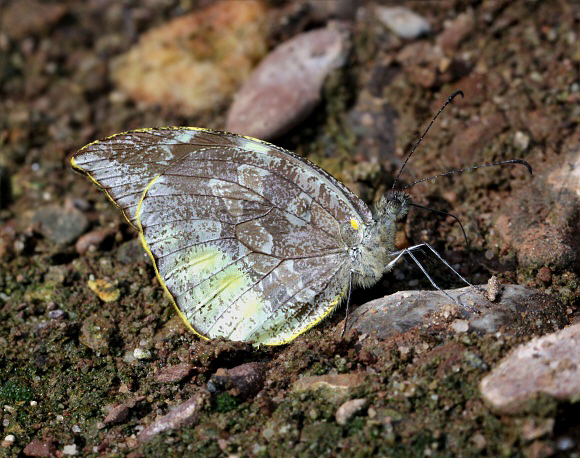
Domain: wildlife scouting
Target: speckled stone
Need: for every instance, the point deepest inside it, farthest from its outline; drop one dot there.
(518, 309)
(194, 62)
(245, 380)
(184, 414)
(548, 364)
(284, 89)
(59, 224)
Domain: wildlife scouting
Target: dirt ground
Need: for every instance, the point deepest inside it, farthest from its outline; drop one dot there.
(69, 358)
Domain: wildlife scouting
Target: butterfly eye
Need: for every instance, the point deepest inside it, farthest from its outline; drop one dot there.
(402, 206)
(392, 206)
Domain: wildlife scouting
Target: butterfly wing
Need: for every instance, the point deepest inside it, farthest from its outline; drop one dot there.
(245, 236)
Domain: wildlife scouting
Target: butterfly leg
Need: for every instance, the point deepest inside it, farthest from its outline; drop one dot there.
(347, 304)
(418, 247)
(412, 256)
(445, 262)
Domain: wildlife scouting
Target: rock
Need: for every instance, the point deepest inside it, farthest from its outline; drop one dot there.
(28, 17)
(285, 87)
(244, 381)
(97, 333)
(493, 288)
(456, 31)
(541, 222)
(548, 364)
(565, 443)
(174, 374)
(403, 22)
(195, 62)
(520, 310)
(8, 238)
(40, 448)
(335, 388)
(70, 450)
(141, 353)
(57, 314)
(8, 441)
(118, 415)
(349, 409)
(545, 275)
(459, 326)
(61, 225)
(131, 252)
(90, 240)
(184, 414)
(106, 291)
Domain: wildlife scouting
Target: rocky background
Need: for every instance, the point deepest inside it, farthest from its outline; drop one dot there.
(94, 361)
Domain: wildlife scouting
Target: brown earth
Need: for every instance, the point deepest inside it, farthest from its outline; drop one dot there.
(70, 356)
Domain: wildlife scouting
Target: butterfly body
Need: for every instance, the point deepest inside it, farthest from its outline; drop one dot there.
(251, 241)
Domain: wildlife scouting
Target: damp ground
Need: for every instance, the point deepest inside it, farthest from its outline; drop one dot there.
(69, 354)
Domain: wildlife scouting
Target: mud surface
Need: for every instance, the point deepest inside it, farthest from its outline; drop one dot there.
(92, 353)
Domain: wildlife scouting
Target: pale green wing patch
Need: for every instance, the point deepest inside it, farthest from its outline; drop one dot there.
(223, 285)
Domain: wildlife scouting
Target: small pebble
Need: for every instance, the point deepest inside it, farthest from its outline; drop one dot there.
(460, 326)
(117, 415)
(90, 240)
(174, 374)
(244, 381)
(403, 22)
(349, 409)
(39, 448)
(186, 413)
(8, 441)
(521, 140)
(194, 62)
(456, 31)
(56, 314)
(493, 288)
(140, 353)
(549, 364)
(545, 275)
(565, 443)
(70, 450)
(105, 290)
(61, 225)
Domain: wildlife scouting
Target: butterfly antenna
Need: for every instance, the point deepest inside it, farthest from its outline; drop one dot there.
(451, 172)
(449, 100)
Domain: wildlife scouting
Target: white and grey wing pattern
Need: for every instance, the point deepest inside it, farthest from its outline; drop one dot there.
(244, 236)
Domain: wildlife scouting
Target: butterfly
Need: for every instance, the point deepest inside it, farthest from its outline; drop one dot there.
(251, 242)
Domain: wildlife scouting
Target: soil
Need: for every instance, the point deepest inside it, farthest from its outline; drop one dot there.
(71, 352)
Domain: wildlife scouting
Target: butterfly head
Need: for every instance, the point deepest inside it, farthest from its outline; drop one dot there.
(392, 207)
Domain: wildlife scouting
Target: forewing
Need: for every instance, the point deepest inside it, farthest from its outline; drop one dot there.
(124, 164)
